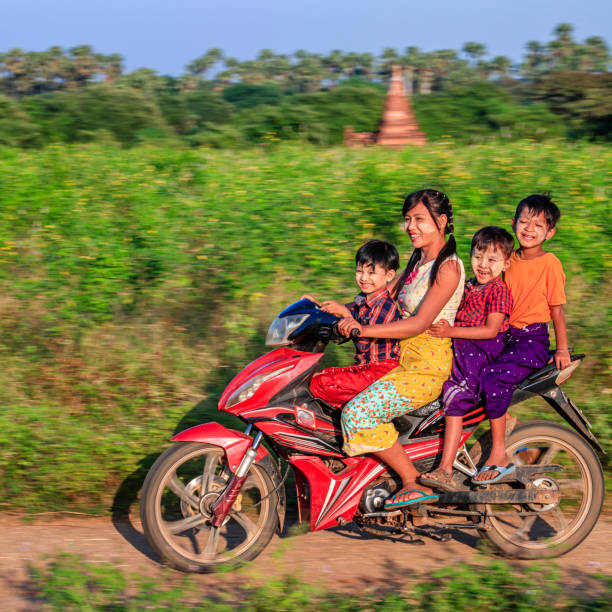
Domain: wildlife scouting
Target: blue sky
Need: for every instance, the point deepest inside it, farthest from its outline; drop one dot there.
(167, 34)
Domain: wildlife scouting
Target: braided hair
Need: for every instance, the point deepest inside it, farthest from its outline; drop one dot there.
(437, 203)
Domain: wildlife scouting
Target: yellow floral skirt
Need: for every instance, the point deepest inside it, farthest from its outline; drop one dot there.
(425, 364)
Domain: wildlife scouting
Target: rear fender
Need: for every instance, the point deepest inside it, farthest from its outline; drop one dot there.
(572, 414)
(234, 443)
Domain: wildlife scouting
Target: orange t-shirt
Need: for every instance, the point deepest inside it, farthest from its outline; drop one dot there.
(535, 285)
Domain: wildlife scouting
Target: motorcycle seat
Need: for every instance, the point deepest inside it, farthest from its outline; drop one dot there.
(405, 422)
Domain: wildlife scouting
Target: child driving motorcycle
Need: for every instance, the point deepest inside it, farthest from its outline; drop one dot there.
(376, 264)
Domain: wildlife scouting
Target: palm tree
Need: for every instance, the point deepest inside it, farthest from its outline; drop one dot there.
(563, 48)
(474, 50)
(55, 68)
(333, 63)
(268, 66)
(563, 32)
(112, 66)
(351, 63)
(14, 64)
(202, 64)
(83, 65)
(500, 66)
(536, 59)
(597, 54)
(189, 82)
(484, 69)
(366, 66)
(412, 60)
(231, 72)
(282, 69)
(308, 72)
(388, 58)
(444, 64)
(252, 71)
(143, 78)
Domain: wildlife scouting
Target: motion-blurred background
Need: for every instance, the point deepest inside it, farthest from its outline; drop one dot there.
(154, 219)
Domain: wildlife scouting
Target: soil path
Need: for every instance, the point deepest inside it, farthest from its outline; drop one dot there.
(342, 560)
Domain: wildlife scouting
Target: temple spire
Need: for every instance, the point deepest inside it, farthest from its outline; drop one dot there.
(398, 126)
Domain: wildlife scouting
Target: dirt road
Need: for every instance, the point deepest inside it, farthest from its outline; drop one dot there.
(344, 560)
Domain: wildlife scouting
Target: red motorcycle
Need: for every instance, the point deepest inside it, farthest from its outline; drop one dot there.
(216, 496)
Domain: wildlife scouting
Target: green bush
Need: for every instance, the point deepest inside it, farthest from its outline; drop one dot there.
(77, 115)
(481, 112)
(582, 100)
(16, 127)
(318, 118)
(246, 95)
(193, 111)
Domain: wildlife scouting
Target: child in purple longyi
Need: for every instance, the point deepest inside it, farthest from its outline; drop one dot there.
(536, 280)
(478, 339)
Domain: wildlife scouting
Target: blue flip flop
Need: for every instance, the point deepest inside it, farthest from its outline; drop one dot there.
(484, 468)
(502, 471)
(423, 499)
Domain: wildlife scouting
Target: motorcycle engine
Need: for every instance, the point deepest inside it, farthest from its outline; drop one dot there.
(373, 499)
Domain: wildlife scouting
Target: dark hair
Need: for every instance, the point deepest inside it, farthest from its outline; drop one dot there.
(493, 236)
(378, 252)
(538, 203)
(437, 204)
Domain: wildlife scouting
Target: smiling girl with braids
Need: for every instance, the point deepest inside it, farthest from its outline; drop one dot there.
(430, 289)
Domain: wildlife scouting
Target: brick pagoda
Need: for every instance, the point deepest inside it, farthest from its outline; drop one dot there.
(398, 126)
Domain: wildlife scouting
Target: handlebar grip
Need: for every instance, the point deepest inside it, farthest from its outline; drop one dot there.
(355, 334)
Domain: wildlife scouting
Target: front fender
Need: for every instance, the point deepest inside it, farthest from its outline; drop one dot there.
(234, 443)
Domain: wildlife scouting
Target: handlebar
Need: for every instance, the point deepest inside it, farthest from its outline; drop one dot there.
(338, 338)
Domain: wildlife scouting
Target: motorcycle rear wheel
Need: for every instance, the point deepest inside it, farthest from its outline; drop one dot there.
(532, 531)
(177, 491)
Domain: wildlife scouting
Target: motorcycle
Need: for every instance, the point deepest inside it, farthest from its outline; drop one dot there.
(217, 496)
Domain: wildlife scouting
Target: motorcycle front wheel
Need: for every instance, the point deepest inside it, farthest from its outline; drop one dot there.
(535, 531)
(174, 509)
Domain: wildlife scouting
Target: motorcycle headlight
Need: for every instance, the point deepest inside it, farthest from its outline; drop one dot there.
(281, 329)
(248, 388)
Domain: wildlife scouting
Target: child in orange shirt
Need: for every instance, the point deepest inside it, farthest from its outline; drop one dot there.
(536, 281)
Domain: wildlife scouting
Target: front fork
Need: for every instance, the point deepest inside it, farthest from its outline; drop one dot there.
(222, 506)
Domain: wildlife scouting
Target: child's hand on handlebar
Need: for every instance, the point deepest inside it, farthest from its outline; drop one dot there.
(441, 329)
(309, 297)
(335, 308)
(347, 324)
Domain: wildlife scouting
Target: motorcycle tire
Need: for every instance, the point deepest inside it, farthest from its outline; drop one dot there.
(536, 531)
(177, 491)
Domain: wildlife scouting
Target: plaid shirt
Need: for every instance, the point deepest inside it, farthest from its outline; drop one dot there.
(478, 302)
(375, 309)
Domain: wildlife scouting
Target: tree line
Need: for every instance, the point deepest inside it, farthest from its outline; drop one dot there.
(561, 88)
